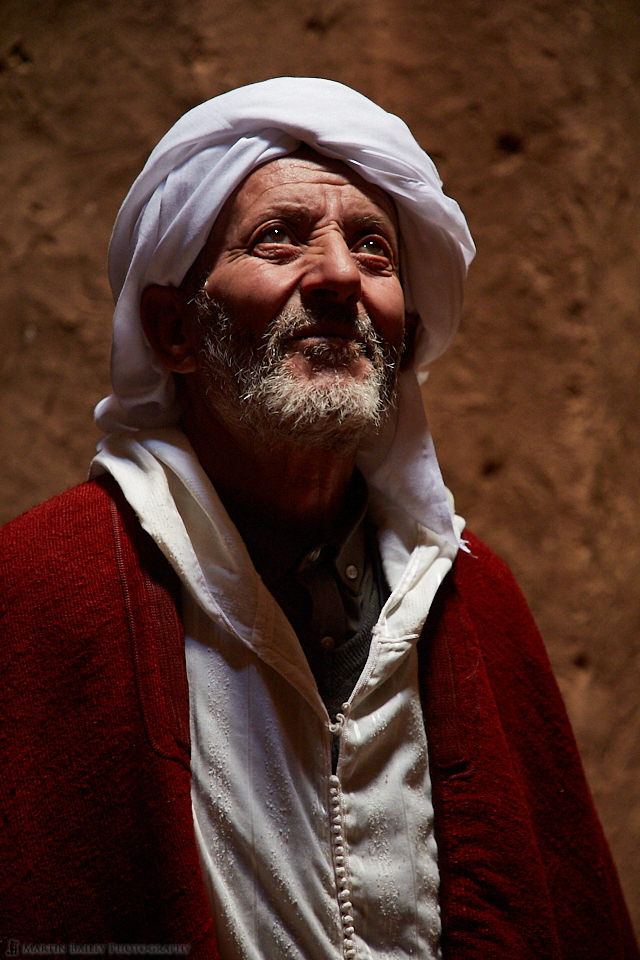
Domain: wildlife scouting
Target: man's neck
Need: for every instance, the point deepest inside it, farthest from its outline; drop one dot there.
(272, 486)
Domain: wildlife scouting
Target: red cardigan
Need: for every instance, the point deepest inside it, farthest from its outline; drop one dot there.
(97, 833)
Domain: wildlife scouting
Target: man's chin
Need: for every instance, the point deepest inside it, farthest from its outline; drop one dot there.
(326, 407)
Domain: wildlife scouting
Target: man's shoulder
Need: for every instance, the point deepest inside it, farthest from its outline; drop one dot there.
(59, 525)
(62, 550)
(65, 505)
(79, 568)
(478, 563)
(489, 590)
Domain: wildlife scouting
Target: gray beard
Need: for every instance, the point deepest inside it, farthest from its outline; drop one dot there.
(252, 384)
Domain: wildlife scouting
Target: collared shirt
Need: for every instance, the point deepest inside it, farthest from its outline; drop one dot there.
(333, 596)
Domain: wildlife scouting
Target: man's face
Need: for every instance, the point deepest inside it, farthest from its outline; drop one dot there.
(302, 312)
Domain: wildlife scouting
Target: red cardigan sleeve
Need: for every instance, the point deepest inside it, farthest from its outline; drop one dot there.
(97, 840)
(525, 869)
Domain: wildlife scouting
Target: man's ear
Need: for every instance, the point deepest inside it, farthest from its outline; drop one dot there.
(411, 325)
(165, 313)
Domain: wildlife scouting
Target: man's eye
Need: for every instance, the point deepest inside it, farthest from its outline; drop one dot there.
(375, 247)
(274, 234)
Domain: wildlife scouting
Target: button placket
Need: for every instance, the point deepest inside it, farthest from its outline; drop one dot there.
(339, 860)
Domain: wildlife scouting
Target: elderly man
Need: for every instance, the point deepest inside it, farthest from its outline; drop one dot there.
(266, 699)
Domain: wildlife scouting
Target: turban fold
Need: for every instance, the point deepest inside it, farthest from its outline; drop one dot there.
(168, 214)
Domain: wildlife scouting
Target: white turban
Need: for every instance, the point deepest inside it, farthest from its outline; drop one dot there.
(167, 215)
(169, 211)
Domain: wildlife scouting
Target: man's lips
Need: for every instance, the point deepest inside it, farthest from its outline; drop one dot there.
(328, 331)
(329, 352)
(326, 338)
(328, 347)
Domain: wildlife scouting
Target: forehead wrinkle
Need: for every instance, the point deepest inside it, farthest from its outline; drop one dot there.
(305, 213)
(300, 210)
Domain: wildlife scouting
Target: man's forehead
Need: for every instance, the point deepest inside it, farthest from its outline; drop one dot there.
(304, 166)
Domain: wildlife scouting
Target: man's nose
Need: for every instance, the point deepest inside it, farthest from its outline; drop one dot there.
(332, 271)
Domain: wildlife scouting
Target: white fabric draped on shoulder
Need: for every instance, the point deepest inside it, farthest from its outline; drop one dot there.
(167, 215)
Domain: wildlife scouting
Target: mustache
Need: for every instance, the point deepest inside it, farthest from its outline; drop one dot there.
(336, 321)
(222, 332)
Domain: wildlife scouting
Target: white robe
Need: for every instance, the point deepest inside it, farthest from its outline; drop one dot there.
(297, 862)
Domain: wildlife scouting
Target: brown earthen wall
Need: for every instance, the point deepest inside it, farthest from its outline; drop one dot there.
(531, 111)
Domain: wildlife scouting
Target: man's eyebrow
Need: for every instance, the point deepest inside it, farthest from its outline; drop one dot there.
(372, 221)
(295, 212)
